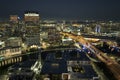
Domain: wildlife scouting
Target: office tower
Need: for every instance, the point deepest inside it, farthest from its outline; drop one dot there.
(14, 18)
(31, 16)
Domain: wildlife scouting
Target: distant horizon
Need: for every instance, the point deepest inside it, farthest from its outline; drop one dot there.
(63, 9)
(59, 18)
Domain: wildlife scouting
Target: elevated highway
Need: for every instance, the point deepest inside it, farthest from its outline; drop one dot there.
(112, 65)
(100, 37)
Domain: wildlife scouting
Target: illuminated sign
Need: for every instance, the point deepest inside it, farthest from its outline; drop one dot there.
(31, 14)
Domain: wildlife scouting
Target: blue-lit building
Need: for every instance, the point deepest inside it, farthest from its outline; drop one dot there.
(98, 29)
(68, 65)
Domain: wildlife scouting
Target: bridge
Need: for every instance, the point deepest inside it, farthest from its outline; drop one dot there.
(112, 65)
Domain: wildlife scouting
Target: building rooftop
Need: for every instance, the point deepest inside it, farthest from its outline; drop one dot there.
(74, 62)
(88, 73)
(54, 67)
(67, 55)
(24, 65)
(10, 47)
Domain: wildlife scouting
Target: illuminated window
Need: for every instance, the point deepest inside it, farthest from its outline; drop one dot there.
(55, 65)
(65, 76)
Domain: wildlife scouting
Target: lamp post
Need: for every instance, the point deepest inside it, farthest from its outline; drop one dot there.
(39, 55)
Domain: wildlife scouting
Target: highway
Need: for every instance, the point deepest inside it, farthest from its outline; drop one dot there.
(112, 65)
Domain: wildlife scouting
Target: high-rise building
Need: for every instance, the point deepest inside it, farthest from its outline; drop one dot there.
(14, 18)
(13, 42)
(51, 28)
(98, 29)
(32, 35)
(31, 17)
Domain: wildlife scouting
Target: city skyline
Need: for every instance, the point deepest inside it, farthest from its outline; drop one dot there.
(64, 9)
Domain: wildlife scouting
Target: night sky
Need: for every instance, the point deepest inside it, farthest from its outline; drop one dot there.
(63, 9)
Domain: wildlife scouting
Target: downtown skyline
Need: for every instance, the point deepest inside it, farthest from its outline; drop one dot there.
(63, 9)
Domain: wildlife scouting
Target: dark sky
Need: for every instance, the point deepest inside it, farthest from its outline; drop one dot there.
(63, 9)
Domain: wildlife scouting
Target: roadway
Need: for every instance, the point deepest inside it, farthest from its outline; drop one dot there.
(99, 36)
(112, 65)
